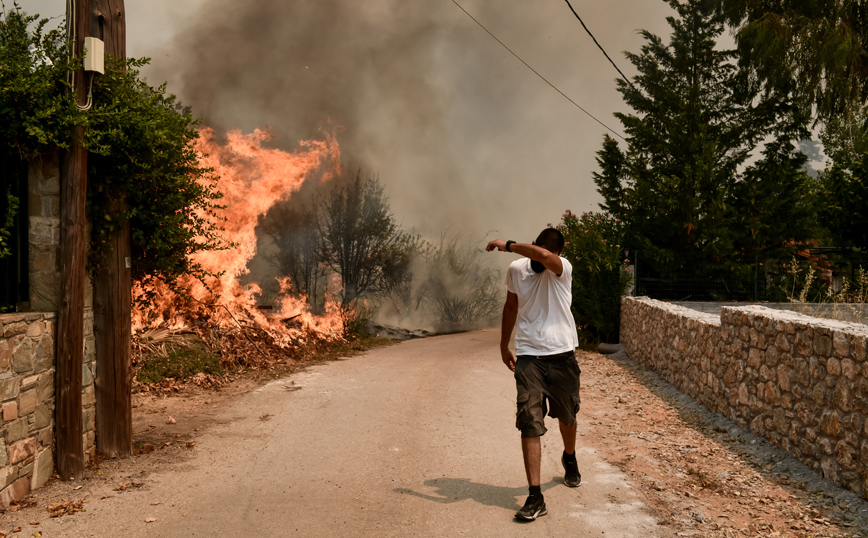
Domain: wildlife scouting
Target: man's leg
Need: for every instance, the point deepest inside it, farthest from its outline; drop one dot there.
(568, 433)
(532, 451)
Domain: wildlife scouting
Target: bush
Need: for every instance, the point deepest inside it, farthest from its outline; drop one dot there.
(180, 362)
(600, 274)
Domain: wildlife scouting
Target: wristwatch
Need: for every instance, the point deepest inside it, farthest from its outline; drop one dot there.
(508, 243)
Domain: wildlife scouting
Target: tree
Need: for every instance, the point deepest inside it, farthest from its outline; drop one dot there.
(845, 212)
(818, 47)
(296, 238)
(360, 240)
(681, 183)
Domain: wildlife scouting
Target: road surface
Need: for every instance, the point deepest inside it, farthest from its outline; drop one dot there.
(416, 439)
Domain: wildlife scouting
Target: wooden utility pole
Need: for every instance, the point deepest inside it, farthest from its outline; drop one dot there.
(70, 322)
(113, 284)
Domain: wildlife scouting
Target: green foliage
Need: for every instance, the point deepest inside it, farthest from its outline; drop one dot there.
(141, 144)
(845, 208)
(37, 111)
(817, 47)
(682, 187)
(7, 223)
(600, 273)
(180, 362)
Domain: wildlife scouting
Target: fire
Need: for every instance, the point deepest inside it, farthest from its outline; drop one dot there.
(253, 179)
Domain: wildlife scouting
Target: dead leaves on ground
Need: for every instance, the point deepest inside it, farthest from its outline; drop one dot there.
(65, 507)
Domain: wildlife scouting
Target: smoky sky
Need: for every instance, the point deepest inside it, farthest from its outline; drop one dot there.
(461, 134)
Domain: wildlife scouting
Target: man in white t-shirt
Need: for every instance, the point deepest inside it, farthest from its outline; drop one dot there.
(538, 299)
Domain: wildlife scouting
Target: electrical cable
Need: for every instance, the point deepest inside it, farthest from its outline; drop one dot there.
(70, 29)
(598, 44)
(502, 44)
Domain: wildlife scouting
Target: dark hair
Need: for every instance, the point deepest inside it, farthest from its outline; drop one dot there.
(551, 240)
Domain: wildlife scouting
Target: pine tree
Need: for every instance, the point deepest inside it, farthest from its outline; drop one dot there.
(698, 118)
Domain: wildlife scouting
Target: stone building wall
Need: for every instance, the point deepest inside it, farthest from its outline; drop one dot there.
(27, 388)
(27, 349)
(800, 382)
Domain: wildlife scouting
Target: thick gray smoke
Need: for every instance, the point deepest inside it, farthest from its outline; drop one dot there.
(461, 134)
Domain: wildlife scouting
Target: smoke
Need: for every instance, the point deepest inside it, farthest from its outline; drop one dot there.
(461, 134)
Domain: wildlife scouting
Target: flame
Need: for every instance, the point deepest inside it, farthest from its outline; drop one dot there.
(253, 179)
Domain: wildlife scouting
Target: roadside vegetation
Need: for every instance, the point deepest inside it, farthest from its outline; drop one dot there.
(709, 182)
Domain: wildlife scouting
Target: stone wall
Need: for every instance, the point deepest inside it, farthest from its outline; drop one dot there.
(800, 382)
(27, 388)
(44, 212)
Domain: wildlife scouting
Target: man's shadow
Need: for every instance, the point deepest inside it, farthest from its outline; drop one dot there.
(453, 490)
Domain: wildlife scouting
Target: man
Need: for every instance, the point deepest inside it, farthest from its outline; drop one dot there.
(539, 294)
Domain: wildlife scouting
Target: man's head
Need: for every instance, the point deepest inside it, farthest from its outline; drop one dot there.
(551, 240)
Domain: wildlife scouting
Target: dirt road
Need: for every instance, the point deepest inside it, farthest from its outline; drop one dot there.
(417, 439)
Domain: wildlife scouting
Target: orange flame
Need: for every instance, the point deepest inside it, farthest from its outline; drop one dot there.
(253, 179)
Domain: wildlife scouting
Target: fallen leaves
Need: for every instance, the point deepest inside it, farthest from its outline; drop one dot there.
(65, 507)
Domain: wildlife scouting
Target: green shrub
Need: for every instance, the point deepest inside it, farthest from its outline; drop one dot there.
(600, 274)
(180, 362)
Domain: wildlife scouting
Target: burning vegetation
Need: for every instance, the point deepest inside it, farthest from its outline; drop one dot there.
(217, 307)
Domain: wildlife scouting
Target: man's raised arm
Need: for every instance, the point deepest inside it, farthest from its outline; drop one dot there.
(550, 260)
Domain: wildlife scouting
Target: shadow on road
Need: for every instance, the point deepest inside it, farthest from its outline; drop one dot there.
(452, 490)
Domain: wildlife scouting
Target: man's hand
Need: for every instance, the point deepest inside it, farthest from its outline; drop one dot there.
(498, 244)
(508, 358)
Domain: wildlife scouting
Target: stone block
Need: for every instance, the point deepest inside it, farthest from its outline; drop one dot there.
(7, 476)
(86, 376)
(27, 402)
(755, 358)
(29, 382)
(42, 469)
(783, 377)
(846, 455)
(782, 343)
(22, 450)
(22, 356)
(833, 367)
(830, 423)
(843, 397)
(43, 416)
(859, 347)
(25, 470)
(88, 396)
(5, 354)
(35, 329)
(17, 491)
(804, 344)
(45, 437)
(16, 430)
(818, 394)
(10, 411)
(4, 456)
(14, 329)
(840, 345)
(848, 369)
(45, 386)
(822, 345)
(817, 370)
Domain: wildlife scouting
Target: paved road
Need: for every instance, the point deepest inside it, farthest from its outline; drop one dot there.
(416, 439)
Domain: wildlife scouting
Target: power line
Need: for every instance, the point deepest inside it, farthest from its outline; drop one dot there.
(598, 44)
(502, 44)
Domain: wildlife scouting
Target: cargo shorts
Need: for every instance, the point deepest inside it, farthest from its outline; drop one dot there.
(546, 384)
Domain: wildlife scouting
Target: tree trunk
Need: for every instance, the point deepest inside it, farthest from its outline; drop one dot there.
(113, 285)
(70, 322)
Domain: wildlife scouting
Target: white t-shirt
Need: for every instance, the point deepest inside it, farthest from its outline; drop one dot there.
(545, 325)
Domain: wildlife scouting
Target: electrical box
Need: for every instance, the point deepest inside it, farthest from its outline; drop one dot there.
(94, 55)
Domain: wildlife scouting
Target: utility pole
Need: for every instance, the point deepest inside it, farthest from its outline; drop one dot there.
(70, 322)
(113, 284)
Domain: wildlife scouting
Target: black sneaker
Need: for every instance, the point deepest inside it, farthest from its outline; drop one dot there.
(573, 477)
(532, 509)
